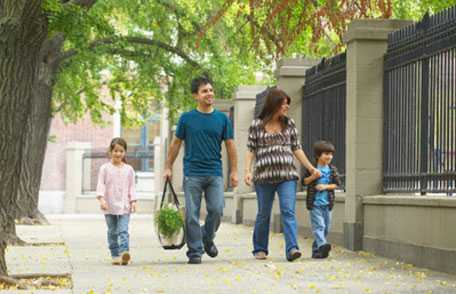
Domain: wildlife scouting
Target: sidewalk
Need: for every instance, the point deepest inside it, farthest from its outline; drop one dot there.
(154, 270)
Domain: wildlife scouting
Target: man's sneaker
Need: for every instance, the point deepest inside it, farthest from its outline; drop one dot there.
(260, 255)
(324, 250)
(210, 249)
(194, 260)
(293, 254)
(125, 257)
(316, 254)
(116, 260)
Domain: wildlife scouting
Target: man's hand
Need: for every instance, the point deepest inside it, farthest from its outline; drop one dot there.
(103, 204)
(133, 207)
(234, 180)
(168, 174)
(248, 178)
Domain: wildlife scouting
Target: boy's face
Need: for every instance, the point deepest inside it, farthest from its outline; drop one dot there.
(205, 95)
(325, 158)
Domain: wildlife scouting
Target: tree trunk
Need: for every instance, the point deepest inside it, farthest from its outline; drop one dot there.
(23, 29)
(34, 150)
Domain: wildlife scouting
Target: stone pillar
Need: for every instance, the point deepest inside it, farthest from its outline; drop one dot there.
(290, 78)
(224, 106)
(366, 45)
(244, 106)
(290, 75)
(73, 174)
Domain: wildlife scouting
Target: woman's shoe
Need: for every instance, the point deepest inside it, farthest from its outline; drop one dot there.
(293, 254)
(261, 255)
(115, 260)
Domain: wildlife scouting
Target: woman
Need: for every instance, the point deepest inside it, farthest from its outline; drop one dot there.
(273, 141)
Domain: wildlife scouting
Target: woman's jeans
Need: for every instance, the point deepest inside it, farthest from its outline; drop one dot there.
(118, 237)
(287, 200)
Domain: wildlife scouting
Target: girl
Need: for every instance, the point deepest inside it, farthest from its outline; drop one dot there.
(273, 143)
(117, 197)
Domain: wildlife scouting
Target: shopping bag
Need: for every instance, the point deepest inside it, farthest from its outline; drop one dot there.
(170, 212)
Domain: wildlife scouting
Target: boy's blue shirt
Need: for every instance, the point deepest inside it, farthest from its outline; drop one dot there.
(321, 197)
(203, 134)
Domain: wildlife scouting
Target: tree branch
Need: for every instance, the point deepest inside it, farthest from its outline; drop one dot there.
(83, 3)
(134, 40)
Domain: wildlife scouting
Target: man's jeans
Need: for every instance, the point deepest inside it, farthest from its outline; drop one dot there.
(194, 187)
(287, 200)
(118, 237)
(320, 218)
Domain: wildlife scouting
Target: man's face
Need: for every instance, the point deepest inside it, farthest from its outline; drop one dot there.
(205, 95)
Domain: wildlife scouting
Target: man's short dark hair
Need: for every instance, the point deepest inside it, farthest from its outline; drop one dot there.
(320, 147)
(198, 82)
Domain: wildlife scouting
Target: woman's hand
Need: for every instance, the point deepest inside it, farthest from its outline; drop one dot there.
(248, 178)
(315, 173)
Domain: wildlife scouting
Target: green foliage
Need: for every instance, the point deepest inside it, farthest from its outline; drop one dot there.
(169, 221)
(108, 64)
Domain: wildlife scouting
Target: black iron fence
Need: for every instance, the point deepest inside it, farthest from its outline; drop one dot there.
(420, 106)
(323, 108)
(139, 158)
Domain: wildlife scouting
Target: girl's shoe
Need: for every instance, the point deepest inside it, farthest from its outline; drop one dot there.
(260, 255)
(115, 260)
(125, 258)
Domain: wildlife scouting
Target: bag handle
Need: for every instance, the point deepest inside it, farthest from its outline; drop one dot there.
(173, 193)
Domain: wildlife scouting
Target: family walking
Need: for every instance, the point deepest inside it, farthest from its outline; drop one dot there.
(273, 144)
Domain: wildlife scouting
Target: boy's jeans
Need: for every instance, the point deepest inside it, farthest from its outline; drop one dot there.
(212, 186)
(118, 237)
(287, 200)
(320, 218)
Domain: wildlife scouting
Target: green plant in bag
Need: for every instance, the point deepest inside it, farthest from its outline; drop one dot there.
(169, 221)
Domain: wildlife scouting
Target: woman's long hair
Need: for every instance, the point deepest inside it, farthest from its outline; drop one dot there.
(272, 104)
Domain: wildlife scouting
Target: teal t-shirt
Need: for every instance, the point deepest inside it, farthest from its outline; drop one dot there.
(321, 197)
(203, 134)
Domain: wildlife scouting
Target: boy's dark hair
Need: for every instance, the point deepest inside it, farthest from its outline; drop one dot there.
(198, 82)
(320, 147)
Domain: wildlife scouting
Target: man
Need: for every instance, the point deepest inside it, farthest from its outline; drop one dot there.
(203, 129)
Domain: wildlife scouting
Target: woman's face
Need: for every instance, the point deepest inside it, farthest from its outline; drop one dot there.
(283, 109)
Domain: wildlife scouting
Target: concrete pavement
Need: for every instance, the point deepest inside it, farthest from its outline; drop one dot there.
(154, 270)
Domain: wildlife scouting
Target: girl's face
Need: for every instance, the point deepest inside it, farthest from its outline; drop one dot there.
(117, 153)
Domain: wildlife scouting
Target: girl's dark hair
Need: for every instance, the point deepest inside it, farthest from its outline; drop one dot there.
(121, 142)
(272, 104)
(320, 147)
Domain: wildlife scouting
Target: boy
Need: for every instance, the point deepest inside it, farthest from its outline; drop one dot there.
(320, 197)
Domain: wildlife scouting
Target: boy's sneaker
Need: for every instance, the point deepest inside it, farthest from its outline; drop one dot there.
(115, 260)
(324, 250)
(293, 254)
(125, 257)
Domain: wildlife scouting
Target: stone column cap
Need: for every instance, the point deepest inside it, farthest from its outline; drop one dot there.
(75, 145)
(223, 104)
(373, 29)
(294, 67)
(249, 92)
